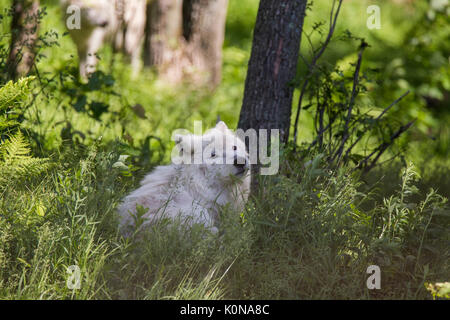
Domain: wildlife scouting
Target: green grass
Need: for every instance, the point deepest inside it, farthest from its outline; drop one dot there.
(310, 232)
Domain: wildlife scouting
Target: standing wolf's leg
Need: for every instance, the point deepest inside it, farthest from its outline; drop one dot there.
(95, 42)
(135, 19)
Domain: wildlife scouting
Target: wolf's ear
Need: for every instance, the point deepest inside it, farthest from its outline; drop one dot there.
(187, 143)
(221, 126)
(182, 142)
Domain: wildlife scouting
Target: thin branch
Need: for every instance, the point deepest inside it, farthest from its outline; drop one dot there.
(376, 120)
(312, 66)
(318, 137)
(345, 137)
(392, 104)
(382, 148)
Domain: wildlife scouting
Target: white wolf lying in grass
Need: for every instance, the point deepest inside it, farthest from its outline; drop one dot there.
(190, 189)
(120, 22)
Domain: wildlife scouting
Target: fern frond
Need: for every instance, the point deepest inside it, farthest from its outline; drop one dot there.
(14, 93)
(6, 123)
(12, 98)
(16, 161)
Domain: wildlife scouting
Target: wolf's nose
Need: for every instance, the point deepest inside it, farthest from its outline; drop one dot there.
(103, 23)
(240, 163)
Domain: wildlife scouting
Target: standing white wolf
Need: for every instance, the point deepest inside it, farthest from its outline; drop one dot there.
(212, 171)
(120, 22)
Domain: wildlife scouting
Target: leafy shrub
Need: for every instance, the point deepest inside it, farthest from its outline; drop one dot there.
(318, 241)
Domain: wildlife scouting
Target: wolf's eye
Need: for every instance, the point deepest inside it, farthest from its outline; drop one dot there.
(213, 154)
(234, 148)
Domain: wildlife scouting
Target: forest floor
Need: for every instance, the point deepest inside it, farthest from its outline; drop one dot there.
(309, 233)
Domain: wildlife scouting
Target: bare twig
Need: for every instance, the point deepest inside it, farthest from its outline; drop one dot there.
(382, 148)
(345, 137)
(319, 136)
(321, 128)
(392, 104)
(333, 20)
(376, 120)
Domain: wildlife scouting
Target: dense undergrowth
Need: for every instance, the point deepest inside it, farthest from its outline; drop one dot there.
(309, 233)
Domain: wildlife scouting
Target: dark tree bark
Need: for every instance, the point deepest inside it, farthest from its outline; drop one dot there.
(24, 34)
(268, 93)
(184, 39)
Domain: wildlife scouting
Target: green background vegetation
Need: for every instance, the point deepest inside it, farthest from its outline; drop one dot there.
(310, 233)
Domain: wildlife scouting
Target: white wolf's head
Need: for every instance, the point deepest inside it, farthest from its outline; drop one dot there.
(219, 154)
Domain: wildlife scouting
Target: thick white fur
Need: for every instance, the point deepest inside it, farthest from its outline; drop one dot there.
(193, 192)
(120, 22)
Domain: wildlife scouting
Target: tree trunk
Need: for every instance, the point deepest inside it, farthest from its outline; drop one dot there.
(204, 30)
(164, 29)
(268, 93)
(184, 39)
(24, 34)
